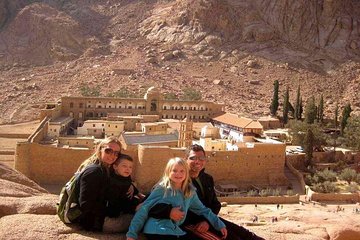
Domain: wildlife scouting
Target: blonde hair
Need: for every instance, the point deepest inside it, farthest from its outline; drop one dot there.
(96, 157)
(167, 183)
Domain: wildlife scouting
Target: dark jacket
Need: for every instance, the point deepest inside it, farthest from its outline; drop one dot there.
(118, 201)
(208, 198)
(93, 183)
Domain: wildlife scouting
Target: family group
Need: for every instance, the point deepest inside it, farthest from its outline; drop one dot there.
(182, 205)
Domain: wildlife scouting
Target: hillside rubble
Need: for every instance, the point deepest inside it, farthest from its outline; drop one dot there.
(246, 45)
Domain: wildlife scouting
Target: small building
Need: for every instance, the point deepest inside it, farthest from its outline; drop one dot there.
(82, 142)
(94, 128)
(156, 128)
(270, 122)
(59, 126)
(130, 141)
(114, 128)
(233, 127)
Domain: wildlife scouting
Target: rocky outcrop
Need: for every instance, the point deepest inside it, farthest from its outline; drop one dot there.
(40, 34)
(329, 29)
(332, 26)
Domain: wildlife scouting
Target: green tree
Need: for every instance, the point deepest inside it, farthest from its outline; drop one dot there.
(352, 133)
(170, 96)
(309, 146)
(348, 175)
(345, 115)
(298, 129)
(286, 106)
(275, 101)
(87, 91)
(122, 93)
(320, 109)
(298, 105)
(336, 115)
(191, 94)
(310, 111)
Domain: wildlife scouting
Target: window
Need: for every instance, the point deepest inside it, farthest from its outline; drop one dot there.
(115, 126)
(89, 106)
(81, 105)
(102, 125)
(93, 125)
(71, 105)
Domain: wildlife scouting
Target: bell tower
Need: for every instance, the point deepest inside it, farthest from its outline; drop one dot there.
(185, 133)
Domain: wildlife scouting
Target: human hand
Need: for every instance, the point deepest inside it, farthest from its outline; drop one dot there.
(176, 214)
(202, 226)
(130, 192)
(224, 233)
(140, 196)
(138, 207)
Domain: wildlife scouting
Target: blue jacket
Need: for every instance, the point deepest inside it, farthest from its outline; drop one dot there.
(168, 226)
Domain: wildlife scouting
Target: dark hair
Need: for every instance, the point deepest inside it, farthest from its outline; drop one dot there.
(122, 157)
(195, 148)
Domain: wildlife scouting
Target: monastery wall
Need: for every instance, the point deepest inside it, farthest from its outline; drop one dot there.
(259, 166)
(48, 164)
(260, 200)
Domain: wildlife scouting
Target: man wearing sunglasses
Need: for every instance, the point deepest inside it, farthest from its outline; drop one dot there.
(204, 184)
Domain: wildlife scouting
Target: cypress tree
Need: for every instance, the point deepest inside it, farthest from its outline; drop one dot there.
(336, 115)
(286, 106)
(345, 115)
(275, 101)
(298, 105)
(310, 111)
(321, 110)
(308, 146)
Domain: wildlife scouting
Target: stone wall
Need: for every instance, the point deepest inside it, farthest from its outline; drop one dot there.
(260, 166)
(298, 175)
(261, 200)
(47, 164)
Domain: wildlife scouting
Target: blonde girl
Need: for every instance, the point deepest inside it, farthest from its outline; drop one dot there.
(174, 188)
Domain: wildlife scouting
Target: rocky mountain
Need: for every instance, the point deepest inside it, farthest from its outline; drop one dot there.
(230, 50)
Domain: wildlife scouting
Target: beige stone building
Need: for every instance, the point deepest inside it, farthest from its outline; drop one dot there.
(153, 103)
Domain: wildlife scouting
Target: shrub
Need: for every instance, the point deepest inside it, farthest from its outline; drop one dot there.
(191, 94)
(122, 93)
(348, 175)
(265, 192)
(326, 175)
(170, 96)
(290, 192)
(276, 192)
(353, 188)
(325, 187)
(252, 193)
(87, 91)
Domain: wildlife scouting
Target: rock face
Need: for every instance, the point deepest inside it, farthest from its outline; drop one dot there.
(330, 27)
(40, 34)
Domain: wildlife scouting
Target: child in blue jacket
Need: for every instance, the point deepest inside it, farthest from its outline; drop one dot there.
(174, 188)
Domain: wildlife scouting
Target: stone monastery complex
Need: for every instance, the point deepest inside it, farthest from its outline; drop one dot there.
(152, 130)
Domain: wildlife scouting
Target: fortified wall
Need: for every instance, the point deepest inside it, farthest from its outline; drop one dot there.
(260, 166)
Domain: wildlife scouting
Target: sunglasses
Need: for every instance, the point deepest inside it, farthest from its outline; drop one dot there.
(111, 151)
(203, 158)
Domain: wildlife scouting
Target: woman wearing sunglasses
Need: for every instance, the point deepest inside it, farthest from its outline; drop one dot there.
(93, 183)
